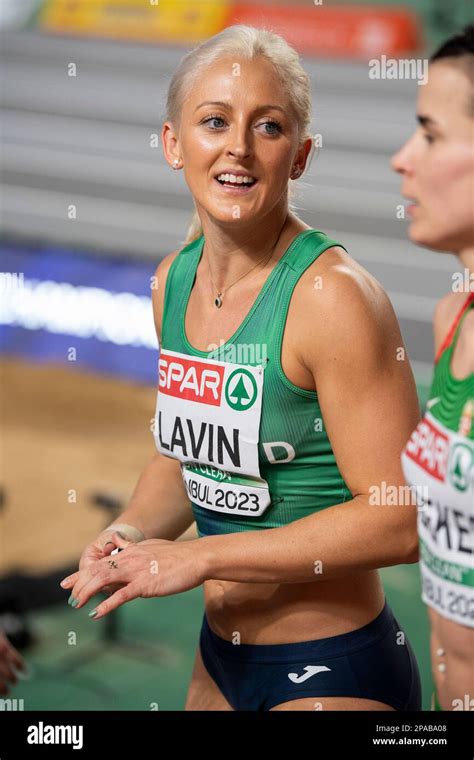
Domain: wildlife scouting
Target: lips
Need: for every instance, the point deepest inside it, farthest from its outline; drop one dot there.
(412, 203)
(235, 179)
(235, 189)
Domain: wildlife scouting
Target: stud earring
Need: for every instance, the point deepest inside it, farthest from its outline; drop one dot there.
(176, 163)
(296, 172)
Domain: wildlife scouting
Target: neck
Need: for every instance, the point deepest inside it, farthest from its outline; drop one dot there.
(232, 249)
(466, 257)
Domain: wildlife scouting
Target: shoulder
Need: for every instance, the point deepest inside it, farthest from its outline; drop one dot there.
(350, 342)
(445, 313)
(335, 276)
(158, 285)
(341, 303)
(163, 267)
(466, 339)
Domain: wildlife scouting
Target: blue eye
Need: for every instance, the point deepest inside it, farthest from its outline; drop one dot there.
(213, 118)
(273, 124)
(217, 118)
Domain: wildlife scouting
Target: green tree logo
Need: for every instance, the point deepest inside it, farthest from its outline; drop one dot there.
(241, 390)
(461, 466)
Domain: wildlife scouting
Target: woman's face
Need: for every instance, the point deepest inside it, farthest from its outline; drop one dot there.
(251, 129)
(437, 162)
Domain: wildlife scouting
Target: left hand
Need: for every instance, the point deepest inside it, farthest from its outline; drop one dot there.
(153, 567)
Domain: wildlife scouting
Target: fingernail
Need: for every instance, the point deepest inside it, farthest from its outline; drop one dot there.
(64, 582)
(93, 613)
(73, 602)
(26, 674)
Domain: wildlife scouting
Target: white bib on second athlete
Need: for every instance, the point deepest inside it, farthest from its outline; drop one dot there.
(208, 417)
(442, 462)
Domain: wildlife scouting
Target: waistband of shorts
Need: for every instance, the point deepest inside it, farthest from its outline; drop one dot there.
(333, 646)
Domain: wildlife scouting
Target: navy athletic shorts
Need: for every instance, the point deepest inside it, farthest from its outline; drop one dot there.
(373, 662)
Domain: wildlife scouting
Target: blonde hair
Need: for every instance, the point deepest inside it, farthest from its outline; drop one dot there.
(245, 42)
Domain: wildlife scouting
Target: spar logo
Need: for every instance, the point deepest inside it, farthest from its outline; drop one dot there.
(461, 466)
(429, 448)
(241, 390)
(190, 379)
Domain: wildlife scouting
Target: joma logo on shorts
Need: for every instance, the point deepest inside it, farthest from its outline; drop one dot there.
(428, 447)
(191, 380)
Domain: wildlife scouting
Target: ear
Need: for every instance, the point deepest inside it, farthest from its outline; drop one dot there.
(170, 143)
(304, 155)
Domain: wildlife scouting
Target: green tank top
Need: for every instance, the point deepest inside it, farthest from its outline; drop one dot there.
(451, 401)
(253, 447)
(438, 463)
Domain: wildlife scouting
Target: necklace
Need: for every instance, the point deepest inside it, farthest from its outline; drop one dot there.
(220, 294)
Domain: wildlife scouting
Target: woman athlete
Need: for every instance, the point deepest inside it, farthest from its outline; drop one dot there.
(437, 167)
(284, 401)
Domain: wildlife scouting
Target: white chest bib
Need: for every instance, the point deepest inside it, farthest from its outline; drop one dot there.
(208, 417)
(441, 462)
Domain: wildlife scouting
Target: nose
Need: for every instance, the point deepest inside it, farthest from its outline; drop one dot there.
(401, 161)
(396, 161)
(239, 142)
(239, 152)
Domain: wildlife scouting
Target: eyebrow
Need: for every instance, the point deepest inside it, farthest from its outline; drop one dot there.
(426, 121)
(226, 104)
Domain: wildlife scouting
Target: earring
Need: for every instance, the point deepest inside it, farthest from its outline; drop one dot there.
(176, 163)
(296, 172)
(441, 665)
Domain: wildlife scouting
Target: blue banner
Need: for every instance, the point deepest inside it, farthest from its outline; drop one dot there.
(76, 309)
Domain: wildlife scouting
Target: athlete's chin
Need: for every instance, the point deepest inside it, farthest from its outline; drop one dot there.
(420, 234)
(231, 222)
(232, 206)
(236, 212)
(424, 235)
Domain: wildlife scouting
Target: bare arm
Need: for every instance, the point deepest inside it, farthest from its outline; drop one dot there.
(369, 404)
(159, 506)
